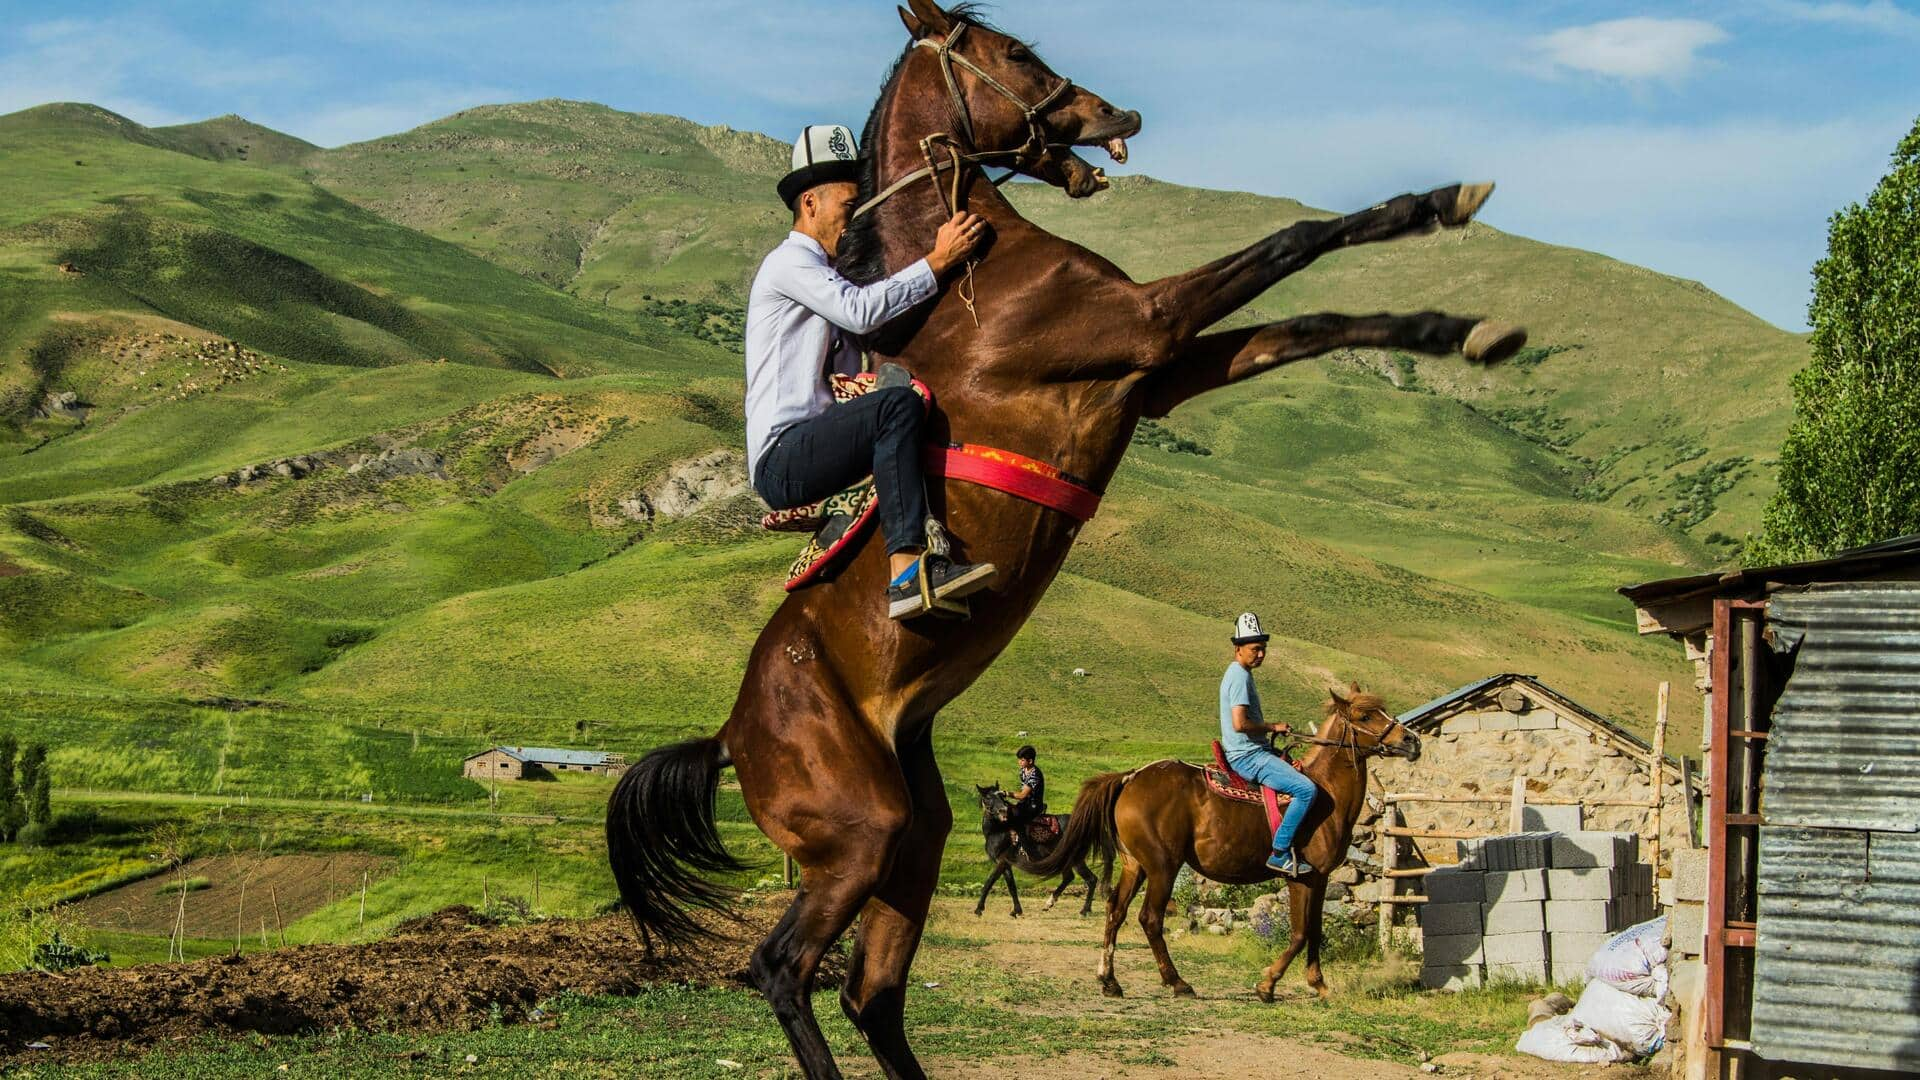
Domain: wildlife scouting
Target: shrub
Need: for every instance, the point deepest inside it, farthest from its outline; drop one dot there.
(35, 834)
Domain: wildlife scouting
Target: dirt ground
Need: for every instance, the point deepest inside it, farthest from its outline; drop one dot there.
(1060, 945)
(243, 893)
(439, 972)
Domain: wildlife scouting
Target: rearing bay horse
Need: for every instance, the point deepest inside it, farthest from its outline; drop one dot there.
(831, 735)
(1161, 816)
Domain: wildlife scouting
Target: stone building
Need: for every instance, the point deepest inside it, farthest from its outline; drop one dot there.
(535, 762)
(1475, 740)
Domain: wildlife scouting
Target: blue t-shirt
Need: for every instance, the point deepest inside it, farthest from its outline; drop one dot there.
(1236, 688)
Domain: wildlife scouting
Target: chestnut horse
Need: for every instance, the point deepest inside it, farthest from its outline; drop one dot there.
(831, 734)
(1162, 815)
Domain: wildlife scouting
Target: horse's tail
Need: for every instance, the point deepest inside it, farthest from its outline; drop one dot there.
(661, 840)
(1090, 825)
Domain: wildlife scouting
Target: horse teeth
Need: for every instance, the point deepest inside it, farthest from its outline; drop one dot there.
(1117, 150)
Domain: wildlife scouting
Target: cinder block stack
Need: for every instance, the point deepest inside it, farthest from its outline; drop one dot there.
(1530, 907)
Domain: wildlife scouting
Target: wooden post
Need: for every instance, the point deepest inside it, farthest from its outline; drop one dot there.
(787, 870)
(1517, 808)
(239, 910)
(536, 886)
(279, 927)
(263, 932)
(180, 920)
(363, 899)
(1659, 778)
(483, 892)
(1389, 862)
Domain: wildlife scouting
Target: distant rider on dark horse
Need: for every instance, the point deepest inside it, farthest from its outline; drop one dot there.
(1246, 737)
(1031, 800)
(804, 321)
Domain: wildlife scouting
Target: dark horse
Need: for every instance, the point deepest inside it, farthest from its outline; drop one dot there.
(994, 813)
(831, 736)
(1162, 815)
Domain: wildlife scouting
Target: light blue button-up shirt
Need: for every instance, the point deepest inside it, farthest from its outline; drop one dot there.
(803, 321)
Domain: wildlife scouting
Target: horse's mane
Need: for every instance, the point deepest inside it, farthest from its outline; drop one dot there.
(861, 257)
(1360, 703)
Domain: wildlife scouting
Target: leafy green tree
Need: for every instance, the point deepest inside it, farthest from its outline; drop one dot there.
(11, 811)
(1850, 467)
(40, 799)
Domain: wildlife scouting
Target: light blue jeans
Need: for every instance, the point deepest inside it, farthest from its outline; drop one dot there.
(1266, 767)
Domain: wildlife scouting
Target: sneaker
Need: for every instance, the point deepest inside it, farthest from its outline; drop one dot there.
(1284, 862)
(940, 578)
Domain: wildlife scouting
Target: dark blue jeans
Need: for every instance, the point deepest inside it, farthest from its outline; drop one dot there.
(875, 434)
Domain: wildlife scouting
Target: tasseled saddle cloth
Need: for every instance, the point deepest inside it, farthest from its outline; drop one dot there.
(1223, 781)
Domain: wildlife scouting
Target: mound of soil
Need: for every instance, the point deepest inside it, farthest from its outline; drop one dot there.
(438, 972)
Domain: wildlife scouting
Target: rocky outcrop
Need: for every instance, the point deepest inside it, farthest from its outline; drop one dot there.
(388, 464)
(688, 487)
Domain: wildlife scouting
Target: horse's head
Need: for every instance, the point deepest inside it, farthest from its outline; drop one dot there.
(993, 801)
(1371, 726)
(1005, 99)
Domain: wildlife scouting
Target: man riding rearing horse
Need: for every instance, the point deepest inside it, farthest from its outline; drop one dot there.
(805, 320)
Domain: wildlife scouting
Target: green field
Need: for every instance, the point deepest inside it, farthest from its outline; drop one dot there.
(245, 661)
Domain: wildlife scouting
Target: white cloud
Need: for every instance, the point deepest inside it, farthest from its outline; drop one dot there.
(1875, 15)
(1633, 49)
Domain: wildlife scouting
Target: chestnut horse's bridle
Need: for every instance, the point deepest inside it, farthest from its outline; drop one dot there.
(963, 150)
(1352, 745)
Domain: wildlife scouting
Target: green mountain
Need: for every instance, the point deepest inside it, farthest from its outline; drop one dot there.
(234, 467)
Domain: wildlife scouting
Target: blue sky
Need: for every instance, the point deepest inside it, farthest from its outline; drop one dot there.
(1707, 140)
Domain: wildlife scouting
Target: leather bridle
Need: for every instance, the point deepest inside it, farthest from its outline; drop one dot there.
(962, 150)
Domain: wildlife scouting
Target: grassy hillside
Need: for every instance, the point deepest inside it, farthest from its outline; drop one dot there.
(479, 550)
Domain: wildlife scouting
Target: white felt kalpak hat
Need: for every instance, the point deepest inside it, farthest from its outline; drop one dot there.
(1246, 629)
(823, 154)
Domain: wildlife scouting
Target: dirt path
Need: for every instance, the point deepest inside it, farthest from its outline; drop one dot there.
(1225, 1032)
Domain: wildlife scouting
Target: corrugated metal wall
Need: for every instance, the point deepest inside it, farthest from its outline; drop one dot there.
(1837, 964)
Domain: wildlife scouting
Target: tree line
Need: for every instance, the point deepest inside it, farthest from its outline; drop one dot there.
(26, 792)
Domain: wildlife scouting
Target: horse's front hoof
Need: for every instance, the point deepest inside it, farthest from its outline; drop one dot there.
(1111, 988)
(1264, 993)
(1015, 913)
(1466, 201)
(1181, 989)
(979, 911)
(1491, 341)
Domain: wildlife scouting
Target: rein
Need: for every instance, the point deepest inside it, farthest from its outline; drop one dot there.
(1352, 745)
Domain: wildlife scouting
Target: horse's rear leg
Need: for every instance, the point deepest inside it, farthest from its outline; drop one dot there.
(843, 829)
(1066, 879)
(1298, 907)
(1117, 903)
(875, 995)
(1153, 917)
(1093, 883)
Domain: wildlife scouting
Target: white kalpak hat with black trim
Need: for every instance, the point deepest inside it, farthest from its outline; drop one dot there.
(824, 153)
(1246, 629)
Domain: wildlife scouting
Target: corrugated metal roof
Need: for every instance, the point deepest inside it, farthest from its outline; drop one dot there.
(1853, 563)
(1415, 715)
(547, 755)
(1845, 746)
(1837, 959)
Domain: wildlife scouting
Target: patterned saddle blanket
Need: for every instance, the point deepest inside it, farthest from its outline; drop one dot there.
(1224, 782)
(1044, 829)
(839, 519)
